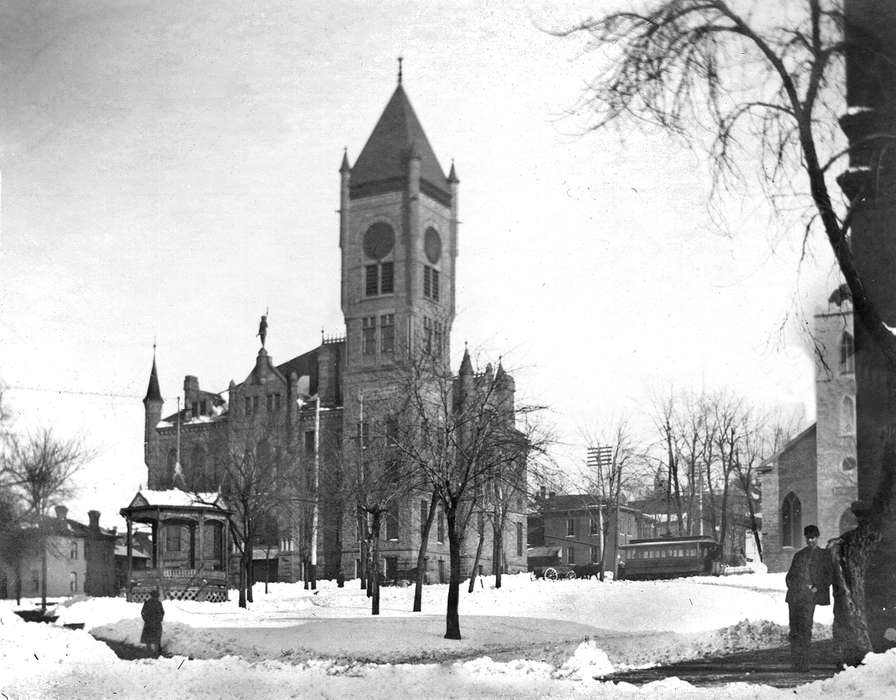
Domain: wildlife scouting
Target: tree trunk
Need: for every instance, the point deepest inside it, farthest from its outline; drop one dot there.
(452, 619)
(498, 538)
(242, 579)
(374, 574)
(754, 527)
(43, 574)
(476, 561)
(421, 554)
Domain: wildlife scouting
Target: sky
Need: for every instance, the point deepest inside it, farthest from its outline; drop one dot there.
(170, 171)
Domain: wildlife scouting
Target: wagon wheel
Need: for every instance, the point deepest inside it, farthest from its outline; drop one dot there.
(571, 575)
(551, 573)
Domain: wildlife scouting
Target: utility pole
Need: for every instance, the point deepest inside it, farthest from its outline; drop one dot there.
(315, 511)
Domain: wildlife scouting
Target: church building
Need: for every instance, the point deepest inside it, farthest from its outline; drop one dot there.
(398, 237)
(812, 479)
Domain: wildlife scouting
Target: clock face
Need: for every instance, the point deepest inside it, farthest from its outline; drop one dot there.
(379, 241)
(432, 245)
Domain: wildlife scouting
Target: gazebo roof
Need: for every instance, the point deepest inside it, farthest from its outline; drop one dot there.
(176, 500)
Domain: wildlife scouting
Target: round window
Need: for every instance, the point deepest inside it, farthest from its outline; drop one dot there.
(432, 244)
(379, 241)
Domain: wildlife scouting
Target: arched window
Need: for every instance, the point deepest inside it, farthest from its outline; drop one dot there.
(847, 521)
(848, 415)
(848, 464)
(847, 354)
(197, 462)
(791, 520)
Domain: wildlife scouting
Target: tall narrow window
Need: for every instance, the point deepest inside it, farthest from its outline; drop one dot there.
(309, 442)
(391, 430)
(430, 283)
(570, 527)
(424, 514)
(248, 406)
(592, 527)
(364, 433)
(791, 521)
(570, 555)
(387, 333)
(595, 554)
(437, 338)
(73, 552)
(847, 354)
(519, 539)
(73, 582)
(368, 338)
(392, 522)
(371, 280)
(387, 278)
(427, 334)
(254, 404)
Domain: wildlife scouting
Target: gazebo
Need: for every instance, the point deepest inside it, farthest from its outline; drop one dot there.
(190, 545)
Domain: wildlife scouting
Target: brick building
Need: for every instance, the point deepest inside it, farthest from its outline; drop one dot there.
(398, 242)
(571, 524)
(80, 559)
(812, 479)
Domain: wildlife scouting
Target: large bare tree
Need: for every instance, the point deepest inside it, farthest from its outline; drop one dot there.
(39, 470)
(757, 78)
(470, 442)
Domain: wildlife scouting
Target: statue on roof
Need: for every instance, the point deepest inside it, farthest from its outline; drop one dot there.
(263, 329)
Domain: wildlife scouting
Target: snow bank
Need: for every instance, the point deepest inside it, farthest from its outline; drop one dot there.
(632, 624)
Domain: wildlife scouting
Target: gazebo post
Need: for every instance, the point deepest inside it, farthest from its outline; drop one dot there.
(127, 584)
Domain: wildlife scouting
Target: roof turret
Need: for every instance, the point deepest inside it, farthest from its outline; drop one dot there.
(152, 391)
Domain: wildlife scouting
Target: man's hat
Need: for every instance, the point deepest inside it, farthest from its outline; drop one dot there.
(811, 531)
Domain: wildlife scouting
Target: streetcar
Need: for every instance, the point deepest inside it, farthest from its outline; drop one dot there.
(670, 557)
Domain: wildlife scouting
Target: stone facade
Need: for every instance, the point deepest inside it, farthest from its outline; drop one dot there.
(398, 243)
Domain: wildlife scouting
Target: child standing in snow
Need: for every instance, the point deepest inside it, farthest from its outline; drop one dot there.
(152, 614)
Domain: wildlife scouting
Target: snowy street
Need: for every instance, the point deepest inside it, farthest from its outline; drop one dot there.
(528, 639)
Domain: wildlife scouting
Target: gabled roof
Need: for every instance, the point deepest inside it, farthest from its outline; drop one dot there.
(384, 157)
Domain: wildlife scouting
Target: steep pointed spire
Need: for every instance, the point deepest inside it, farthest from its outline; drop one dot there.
(152, 391)
(466, 366)
(452, 176)
(382, 164)
(345, 167)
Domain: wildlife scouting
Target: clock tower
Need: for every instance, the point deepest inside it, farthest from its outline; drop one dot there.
(398, 242)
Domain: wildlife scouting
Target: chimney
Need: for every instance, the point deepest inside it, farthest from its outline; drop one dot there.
(61, 512)
(94, 516)
(552, 494)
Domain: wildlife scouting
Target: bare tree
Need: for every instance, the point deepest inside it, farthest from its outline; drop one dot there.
(767, 83)
(39, 469)
(257, 482)
(615, 469)
(462, 434)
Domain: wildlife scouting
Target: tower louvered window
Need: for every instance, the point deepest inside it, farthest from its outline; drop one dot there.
(430, 283)
(427, 334)
(387, 278)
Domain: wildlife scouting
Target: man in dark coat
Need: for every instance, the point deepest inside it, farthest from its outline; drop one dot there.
(152, 614)
(808, 581)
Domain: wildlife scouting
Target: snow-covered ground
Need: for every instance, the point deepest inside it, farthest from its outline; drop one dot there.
(527, 639)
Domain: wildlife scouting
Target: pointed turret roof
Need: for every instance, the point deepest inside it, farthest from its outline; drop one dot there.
(384, 157)
(466, 366)
(152, 391)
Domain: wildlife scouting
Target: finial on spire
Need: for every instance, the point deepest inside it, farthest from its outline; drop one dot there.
(400, 59)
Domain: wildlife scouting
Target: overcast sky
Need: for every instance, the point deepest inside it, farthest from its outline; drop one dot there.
(170, 170)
